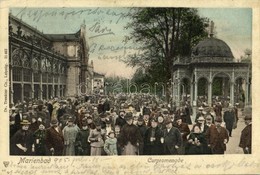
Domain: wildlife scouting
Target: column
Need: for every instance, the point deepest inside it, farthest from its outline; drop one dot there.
(47, 90)
(232, 88)
(210, 93)
(32, 85)
(195, 88)
(246, 93)
(195, 92)
(210, 88)
(41, 89)
(22, 90)
(22, 87)
(52, 86)
(191, 92)
(232, 92)
(11, 86)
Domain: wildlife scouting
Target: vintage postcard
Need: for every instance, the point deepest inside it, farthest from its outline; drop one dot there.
(117, 87)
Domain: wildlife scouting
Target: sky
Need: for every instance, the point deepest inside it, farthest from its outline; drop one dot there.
(106, 32)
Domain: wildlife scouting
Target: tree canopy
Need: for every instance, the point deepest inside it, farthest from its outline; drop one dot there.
(164, 34)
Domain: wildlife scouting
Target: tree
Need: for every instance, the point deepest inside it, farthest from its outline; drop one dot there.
(165, 34)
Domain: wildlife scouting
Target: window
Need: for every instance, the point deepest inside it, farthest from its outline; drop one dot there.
(17, 76)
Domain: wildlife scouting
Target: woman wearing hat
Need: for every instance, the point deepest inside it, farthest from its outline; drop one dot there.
(110, 146)
(22, 141)
(196, 141)
(70, 132)
(96, 138)
(152, 139)
(130, 137)
(39, 140)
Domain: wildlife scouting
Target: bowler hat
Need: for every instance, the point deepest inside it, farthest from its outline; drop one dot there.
(218, 119)
(25, 122)
(248, 117)
(140, 118)
(201, 118)
(154, 119)
(54, 121)
(177, 117)
(168, 121)
(128, 116)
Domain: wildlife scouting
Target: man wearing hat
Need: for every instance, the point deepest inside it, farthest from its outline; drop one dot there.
(229, 119)
(185, 131)
(130, 137)
(200, 113)
(17, 119)
(82, 145)
(54, 139)
(152, 139)
(142, 128)
(120, 121)
(217, 137)
(172, 139)
(22, 141)
(246, 135)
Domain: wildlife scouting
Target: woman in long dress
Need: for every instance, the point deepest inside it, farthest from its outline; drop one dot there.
(70, 133)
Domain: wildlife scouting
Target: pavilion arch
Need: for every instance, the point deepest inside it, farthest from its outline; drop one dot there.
(202, 90)
(185, 88)
(240, 90)
(221, 91)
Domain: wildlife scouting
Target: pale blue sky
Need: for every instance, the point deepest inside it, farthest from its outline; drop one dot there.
(233, 25)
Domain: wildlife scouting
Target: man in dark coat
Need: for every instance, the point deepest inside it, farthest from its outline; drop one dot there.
(152, 139)
(143, 128)
(55, 139)
(217, 137)
(130, 137)
(82, 144)
(246, 135)
(17, 120)
(185, 131)
(172, 139)
(22, 141)
(229, 119)
(120, 121)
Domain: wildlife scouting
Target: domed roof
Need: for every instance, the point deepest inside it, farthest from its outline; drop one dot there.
(212, 47)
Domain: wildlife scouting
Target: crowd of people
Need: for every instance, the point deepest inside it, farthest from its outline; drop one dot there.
(136, 124)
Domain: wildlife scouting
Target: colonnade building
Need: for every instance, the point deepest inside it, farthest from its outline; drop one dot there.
(43, 66)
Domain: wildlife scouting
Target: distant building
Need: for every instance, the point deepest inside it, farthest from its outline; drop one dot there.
(98, 84)
(43, 66)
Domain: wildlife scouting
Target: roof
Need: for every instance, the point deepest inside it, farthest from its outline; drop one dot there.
(212, 47)
(64, 37)
(98, 74)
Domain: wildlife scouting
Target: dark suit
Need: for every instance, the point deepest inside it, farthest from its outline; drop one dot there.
(229, 119)
(246, 138)
(216, 139)
(55, 140)
(17, 120)
(185, 131)
(153, 147)
(171, 139)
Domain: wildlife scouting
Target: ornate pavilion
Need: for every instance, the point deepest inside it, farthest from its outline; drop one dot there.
(211, 74)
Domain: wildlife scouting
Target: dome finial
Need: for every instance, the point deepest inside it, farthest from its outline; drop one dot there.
(211, 32)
